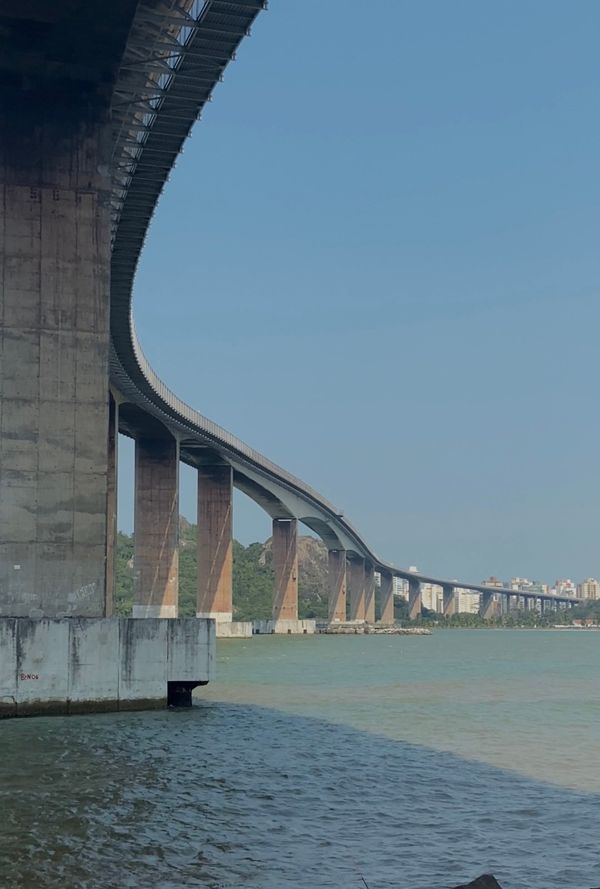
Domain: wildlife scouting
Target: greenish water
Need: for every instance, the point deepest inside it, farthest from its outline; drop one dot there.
(527, 700)
(320, 762)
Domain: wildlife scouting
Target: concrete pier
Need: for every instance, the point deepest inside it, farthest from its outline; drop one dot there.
(215, 543)
(78, 665)
(414, 598)
(449, 604)
(356, 585)
(387, 599)
(337, 585)
(54, 335)
(369, 593)
(283, 627)
(487, 605)
(111, 502)
(285, 569)
(156, 557)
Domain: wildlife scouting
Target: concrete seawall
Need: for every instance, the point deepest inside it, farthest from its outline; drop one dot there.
(76, 665)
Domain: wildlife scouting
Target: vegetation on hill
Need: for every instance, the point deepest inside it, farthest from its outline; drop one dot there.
(516, 618)
(252, 576)
(253, 587)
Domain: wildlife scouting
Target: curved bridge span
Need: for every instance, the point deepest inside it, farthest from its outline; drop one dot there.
(108, 114)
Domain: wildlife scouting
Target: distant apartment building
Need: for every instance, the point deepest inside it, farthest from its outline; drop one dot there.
(524, 585)
(401, 587)
(564, 588)
(493, 582)
(589, 589)
(467, 602)
(432, 597)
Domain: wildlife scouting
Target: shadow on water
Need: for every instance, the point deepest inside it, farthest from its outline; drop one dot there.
(228, 795)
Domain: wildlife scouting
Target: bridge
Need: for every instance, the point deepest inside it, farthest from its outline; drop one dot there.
(96, 102)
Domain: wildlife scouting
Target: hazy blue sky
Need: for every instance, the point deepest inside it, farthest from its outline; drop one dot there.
(377, 261)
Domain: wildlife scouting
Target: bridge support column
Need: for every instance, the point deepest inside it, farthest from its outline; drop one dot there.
(449, 599)
(387, 599)
(111, 503)
(156, 538)
(357, 589)
(54, 335)
(285, 569)
(487, 605)
(369, 593)
(414, 598)
(215, 544)
(337, 584)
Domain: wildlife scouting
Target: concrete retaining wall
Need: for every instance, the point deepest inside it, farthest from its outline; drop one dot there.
(295, 627)
(85, 664)
(235, 629)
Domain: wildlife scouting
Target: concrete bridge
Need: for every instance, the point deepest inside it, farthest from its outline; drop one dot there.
(96, 102)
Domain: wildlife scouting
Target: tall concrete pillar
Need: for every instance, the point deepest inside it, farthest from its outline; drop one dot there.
(156, 532)
(449, 601)
(111, 503)
(414, 598)
(487, 605)
(215, 542)
(54, 337)
(357, 589)
(285, 569)
(369, 593)
(337, 584)
(387, 599)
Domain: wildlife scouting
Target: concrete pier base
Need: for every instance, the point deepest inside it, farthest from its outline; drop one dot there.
(234, 629)
(78, 665)
(284, 627)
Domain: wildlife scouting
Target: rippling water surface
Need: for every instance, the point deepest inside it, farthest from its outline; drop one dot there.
(316, 762)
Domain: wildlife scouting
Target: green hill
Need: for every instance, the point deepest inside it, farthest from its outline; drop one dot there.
(252, 576)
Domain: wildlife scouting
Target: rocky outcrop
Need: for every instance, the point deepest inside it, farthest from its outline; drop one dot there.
(312, 572)
(485, 881)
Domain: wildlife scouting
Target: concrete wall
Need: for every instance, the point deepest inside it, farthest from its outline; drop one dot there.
(78, 664)
(234, 629)
(284, 627)
(54, 329)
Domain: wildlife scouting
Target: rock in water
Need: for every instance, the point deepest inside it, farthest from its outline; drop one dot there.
(485, 881)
